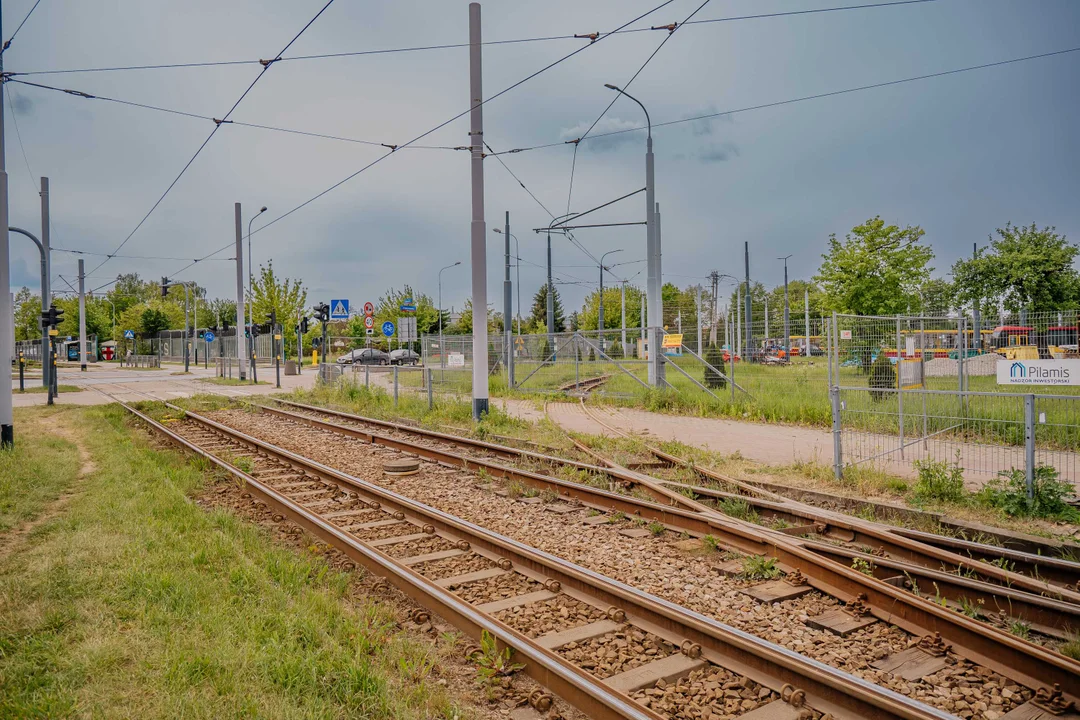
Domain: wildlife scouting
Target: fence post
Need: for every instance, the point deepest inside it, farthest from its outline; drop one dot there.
(367, 379)
(577, 355)
(430, 391)
(900, 384)
(838, 456)
(395, 385)
(1029, 444)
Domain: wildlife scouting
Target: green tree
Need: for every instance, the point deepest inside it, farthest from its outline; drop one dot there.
(877, 270)
(152, 321)
(464, 325)
(797, 297)
(27, 315)
(1025, 267)
(538, 317)
(427, 315)
(222, 312)
(937, 296)
(285, 296)
(589, 315)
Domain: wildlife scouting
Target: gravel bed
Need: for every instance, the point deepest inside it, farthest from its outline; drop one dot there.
(617, 651)
(386, 531)
(653, 564)
(450, 567)
(554, 615)
(497, 588)
(417, 547)
(709, 694)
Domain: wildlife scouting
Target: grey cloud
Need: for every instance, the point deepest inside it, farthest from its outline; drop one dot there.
(719, 152)
(21, 104)
(704, 126)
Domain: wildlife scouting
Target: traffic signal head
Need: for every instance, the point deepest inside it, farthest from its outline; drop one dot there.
(322, 312)
(303, 325)
(164, 287)
(52, 317)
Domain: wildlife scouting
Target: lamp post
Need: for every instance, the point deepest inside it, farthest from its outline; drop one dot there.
(517, 264)
(652, 244)
(442, 350)
(600, 313)
(787, 312)
(251, 302)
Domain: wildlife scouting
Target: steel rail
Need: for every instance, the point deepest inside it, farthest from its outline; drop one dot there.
(574, 685)
(826, 688)
(913, 550)
(1020, 660)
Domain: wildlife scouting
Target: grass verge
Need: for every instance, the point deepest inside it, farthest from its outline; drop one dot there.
(136, 602)
(231, 381)
(42, 389)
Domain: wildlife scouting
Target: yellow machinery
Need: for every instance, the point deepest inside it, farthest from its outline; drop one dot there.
(1019, 349)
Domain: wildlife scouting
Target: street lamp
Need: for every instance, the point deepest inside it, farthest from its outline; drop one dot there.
(442, 350)
(517, 264)
(652, 244)
(787, 313)
(600, 314)
(251, 288)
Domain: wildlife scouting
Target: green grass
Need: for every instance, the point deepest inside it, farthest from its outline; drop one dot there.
(41, 468)
(42, 389)
(136, 602)
(231, 381)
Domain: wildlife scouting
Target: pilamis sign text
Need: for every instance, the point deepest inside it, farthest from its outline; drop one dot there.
(1038, 372)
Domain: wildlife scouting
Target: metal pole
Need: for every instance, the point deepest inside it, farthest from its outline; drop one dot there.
(50, 360)
(747, 310)
(508, 311)
(787, 313)
(395, 385)
(82, 316)
(652, 291)
(7, 319)
(900, 386)
(698, 313)
(977, 338)
(517, 265)
(642, 323)
(837, 428)
(430, 390)
(738, 322)
(187, 304)
(622, 321)
(1029, 444)
(657, 312)
(600, 310)
(46, 277)
(22, 368)
(277, 339)
(479, 227)
(550, 297)
(241, 341)
(806, 309)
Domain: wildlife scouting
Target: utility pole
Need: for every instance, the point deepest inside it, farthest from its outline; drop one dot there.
(479, 227)
(622, 306)
(46, 279)
(787, 312)
(241, 340)
(738, 322)
(508, 326)
(748, 315)
(550, 298)
(643, 338)
(806, 303)
(714, 276)
(7, 318)
(977, 335)
(697, 312)
(276, 339)
(82, 316)
(656, 303)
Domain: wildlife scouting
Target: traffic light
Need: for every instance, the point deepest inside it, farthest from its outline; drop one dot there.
(316, 343)
(52, 317)
(224, 327)
(322, 312)
(164, 287)
(272, 317)
(303, 325)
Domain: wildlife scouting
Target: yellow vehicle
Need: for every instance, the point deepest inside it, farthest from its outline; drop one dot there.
(1013, 342)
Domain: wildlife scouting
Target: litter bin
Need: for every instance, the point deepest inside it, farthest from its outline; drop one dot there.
(290, 367)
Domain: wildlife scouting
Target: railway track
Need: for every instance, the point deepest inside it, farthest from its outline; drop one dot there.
(1025, 662)
(483, 582)
(585, 386)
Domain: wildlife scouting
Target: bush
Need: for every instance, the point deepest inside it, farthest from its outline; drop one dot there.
(1008, 493)
(614, 351)
(715, 357)
(882, 375)
(939, 481)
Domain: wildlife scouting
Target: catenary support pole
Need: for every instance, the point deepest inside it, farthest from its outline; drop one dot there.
(82, 316)
(550, 298)
(787, 313)
(643, 321)
(508, 311)
(656, 310)
(46, 278)
(748, 315)
(697, 312)
(622, 321)
(806, 308)
(7, 319)
(241, 340)
(479, 227)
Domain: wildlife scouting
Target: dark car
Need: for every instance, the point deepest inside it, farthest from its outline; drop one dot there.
(364, 356)
(404, 356)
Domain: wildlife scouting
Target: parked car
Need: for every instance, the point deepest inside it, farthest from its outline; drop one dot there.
(364, 356)
(404, 356)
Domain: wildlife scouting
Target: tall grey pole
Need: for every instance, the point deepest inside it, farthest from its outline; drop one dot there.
(739, 322)
(806, 303)
(479, 227)
(241, 342)
(600, 309)
(977, 335)
(698, 313)
(622, 306)
(748, 345)
(656, 312)
(517, 270)
(508, 316)
(46, 277)
(651, 289)
(550, 296)
(787, 313)
(82, 316)
(7, 319)
(643, 323)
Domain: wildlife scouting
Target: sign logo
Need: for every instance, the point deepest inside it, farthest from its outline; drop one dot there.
(369, 322)
(845, 334)
(209, 336)
(1038, 372)
(129, 334)
(672, 341)
(388, 328)
(339, 309)
(369, 309)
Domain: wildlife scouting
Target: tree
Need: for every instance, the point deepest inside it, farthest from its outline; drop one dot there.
(588, 317)
(427, 315)
(222, 312)
(1024, 268)
(797, 297)
(538, 318)
(285, 296)
(877, 270)
(27, 315)
(464, 325)
(715, 357)
(153, 321)
(937, 297)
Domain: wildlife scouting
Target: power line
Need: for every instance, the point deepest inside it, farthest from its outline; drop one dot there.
(128, 257)
(805, 98)
(10, 39)
(265, 66)
(592, 37)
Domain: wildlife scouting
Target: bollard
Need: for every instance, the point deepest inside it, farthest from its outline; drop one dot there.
(22, 366)
(395, 385)
(367, 377)
(430, 390)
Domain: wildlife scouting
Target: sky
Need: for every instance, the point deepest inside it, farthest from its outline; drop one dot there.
(958, 155)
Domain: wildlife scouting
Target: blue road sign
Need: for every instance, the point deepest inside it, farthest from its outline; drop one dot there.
(388, 328)
(129, 334)
(209, 336)
(408, 307)
(339, 309)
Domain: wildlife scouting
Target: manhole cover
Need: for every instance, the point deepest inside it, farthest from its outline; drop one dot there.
(401, 467)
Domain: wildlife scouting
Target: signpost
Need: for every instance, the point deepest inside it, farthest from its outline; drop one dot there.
(408, 305)
(339, 309)
(129, 334)
(406, 330)
(369, 322)
(369, 309)
(388, 329)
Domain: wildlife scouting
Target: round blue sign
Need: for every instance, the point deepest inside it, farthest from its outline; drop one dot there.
(209, 336)
(388, 328)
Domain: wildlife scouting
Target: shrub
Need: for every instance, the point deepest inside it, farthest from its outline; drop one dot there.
(1008, 493)
(615, 350)
(939, 481)
(715, 357)
(882, 375)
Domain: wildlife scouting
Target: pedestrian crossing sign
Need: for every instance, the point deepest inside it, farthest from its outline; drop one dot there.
(339, 309)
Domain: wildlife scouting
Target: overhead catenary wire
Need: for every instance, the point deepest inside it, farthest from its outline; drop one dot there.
(8, 42)
(265, 66)
(592, 37)
(803, 98)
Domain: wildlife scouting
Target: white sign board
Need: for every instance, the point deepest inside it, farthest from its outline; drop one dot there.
(407, 329)
(1038, 372)
(339, 309)
(845, 334)
(455, 360)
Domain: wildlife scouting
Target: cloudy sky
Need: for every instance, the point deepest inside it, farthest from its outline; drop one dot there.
(959, 155)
